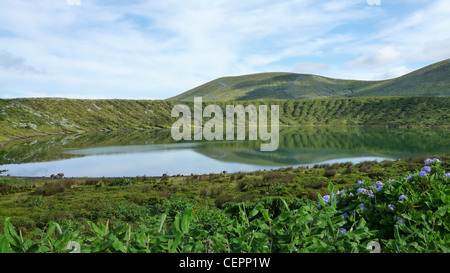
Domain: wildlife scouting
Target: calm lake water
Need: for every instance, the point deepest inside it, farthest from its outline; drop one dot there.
(154, 152)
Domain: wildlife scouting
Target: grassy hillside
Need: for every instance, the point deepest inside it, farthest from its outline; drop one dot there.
(433, 80)
(42, 116)
(364, 111)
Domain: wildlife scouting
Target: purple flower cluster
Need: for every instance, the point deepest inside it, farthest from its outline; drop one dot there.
(379, 186)
(326, 199)
(364, 191)
(447, 175)
(409, 177)
(400, 220)
(429, 161)
(401, 197)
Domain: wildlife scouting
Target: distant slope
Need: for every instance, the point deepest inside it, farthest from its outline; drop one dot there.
(432, 80)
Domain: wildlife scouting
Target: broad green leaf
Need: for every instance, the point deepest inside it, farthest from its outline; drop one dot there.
(4, 244)
(11, 234)
(265, 214)
(285, 204)
(255, 210)
(188, 216)
(322, 203)
(50, 230)
(176, 242)
(176, 223)
(95, 228)
(161, 222)
(330, 188)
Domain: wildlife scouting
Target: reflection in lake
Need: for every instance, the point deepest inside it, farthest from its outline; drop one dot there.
(154, 152)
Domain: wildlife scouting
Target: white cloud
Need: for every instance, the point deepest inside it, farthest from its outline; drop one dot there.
(396, 72)
(11, 62)
(157, 49)
(381, 57)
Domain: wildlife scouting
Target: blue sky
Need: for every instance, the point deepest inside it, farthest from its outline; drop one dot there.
(138, 49)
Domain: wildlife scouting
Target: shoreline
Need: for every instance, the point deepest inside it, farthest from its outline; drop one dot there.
(275, 169)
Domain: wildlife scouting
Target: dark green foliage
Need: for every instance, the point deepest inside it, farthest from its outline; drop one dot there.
(122, 182)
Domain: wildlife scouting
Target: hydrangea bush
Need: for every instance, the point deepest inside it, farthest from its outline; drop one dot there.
(409, 214)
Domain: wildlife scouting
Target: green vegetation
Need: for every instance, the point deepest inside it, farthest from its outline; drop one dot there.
(400, 205)
(406, 112)
(46, 116)
(432, 80)
(43, 116)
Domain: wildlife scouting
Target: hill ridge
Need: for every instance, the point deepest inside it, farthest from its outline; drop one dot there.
(431, 80)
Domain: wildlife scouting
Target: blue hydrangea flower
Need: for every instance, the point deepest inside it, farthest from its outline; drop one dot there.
(426, 169)
(422, 173)
(409, 177)
(400, 220)
(360, 190)
(370, 194)
(428, 162)
(326, 199)
(401, 197)
(342, 231)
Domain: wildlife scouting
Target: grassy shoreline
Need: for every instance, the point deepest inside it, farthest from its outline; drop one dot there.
(72, 195)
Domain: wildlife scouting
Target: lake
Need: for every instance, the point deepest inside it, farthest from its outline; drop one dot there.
(154, 152)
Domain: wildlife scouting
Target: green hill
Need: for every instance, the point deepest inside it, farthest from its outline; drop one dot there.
(25, 117)
(432, 80)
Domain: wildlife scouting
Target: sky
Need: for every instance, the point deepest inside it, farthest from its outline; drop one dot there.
(156, 49)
